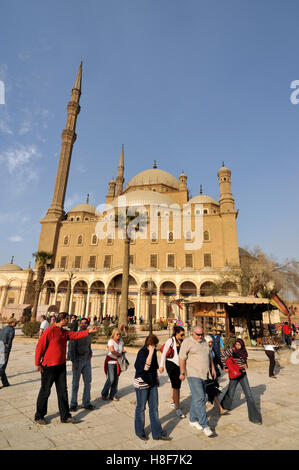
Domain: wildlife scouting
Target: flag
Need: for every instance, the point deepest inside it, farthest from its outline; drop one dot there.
(278, 303)
(291, 309)
(178, 304)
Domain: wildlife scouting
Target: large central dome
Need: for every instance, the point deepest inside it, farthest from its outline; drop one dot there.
(154, 176)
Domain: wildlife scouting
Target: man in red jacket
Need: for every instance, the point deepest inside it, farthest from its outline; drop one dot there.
(50, 360)
(287, 334)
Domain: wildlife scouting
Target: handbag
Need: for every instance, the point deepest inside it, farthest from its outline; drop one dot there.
(123, 363)
(234, 370)
(170, 352)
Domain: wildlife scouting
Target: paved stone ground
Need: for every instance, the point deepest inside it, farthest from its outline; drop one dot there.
(111, 425)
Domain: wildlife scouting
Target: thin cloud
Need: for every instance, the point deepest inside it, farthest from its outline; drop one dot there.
(15, 239)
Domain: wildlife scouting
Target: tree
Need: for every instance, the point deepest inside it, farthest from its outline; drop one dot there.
(125, 225)
(71, 276)
(42, 259)
(261, 275)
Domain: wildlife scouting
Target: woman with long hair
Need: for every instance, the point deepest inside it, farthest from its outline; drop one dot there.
(173, 367)
(115, 350)
(146, 386)
(240, 355)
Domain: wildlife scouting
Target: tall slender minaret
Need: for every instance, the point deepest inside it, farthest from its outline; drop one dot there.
(55, 214)
(120, 174)
(68, 138)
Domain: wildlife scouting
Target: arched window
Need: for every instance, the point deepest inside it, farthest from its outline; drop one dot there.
(170, 236)
(80, 240)
(66, 240)
(94, 240)
(206, 236)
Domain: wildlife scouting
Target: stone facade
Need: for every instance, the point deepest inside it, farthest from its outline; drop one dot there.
(184, 246)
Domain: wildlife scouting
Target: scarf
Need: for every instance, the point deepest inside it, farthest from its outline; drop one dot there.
(241, 353)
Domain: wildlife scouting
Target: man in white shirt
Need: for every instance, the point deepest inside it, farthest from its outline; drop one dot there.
(44, 325)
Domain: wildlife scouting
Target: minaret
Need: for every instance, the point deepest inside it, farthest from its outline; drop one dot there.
(226, 201)
(68, 138)
(111, 191)
(228, 216)
(120, 173)
(55, 214)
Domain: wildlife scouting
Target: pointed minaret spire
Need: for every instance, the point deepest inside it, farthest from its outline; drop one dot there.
(200, 192)
(155, 164)
(120, 173)
(56, 210)
(87, 199)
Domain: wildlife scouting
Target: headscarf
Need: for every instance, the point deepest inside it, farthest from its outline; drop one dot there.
(242, 353)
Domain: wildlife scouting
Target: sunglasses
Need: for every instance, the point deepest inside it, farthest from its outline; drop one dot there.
(199, 334)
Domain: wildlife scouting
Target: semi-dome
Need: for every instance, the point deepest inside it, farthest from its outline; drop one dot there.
(203, 199)
(142, 198)
(152, 177)
(10, 267)
(84, 208)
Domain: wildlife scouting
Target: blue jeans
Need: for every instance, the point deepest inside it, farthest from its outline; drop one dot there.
(112, 380)
(84, 368)
(149, 395)
(227, 401)
(198, 403)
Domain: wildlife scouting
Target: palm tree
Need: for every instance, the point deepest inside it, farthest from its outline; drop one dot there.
(42, 258)
(71, 276)
(123, 222)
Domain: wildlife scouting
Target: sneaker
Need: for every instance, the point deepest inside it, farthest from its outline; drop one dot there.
(163, 437)
(173, 405)
(89, 407)
(143, 438)
(70, 420)
(180, 413)
(41, 421)
(196, 425)
(208, 432)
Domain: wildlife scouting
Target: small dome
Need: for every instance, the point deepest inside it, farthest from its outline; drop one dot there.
(154, 176)
(142, 198)
(84, 208)
(202, 199)
(10, 267)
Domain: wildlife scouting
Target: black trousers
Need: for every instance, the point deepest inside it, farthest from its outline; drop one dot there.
(50, 375)
(3, 375)
(271, 356)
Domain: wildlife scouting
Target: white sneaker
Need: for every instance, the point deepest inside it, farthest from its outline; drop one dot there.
(196, 425)
(173, 405)
(208, 432)
(180, 413)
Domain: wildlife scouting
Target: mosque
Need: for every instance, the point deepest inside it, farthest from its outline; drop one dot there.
(176, 259)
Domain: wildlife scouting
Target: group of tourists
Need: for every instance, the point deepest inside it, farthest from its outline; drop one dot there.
(201, 359)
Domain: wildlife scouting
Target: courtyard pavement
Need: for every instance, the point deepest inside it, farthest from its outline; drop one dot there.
(111, 425)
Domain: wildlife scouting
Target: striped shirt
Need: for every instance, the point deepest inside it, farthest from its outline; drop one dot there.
(139, 382)
(231, 353)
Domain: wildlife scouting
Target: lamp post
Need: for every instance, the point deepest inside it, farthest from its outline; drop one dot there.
(150, 288)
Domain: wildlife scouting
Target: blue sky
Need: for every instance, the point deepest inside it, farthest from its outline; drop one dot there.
(188, 83)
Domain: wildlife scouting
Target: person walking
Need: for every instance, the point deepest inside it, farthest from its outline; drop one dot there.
(217, 348)
(50, 360)
(146, 386)
(212, 385)
(196, 362)
(7, 335)
(287, 334)
(44, 325)
(173, 367)
(240, 355)
(80, 354)
(115, 350)
(270, 346)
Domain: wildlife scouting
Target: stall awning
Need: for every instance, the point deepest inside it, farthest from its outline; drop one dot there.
(225, 299)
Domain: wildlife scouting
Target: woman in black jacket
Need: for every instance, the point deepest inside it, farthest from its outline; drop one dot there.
(146, 385)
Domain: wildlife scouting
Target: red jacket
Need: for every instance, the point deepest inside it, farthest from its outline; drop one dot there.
(286, 329)
(51, 347)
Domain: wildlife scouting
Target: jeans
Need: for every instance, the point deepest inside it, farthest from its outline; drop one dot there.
(3, 375)
(112, 380)
(271, 356)
(226, 402)
(149, 395)
(50, 375)
(84, 368)
(198, 403)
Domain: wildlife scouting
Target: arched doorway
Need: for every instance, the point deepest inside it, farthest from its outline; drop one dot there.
(208, 288)
(168, 293)
(114, 294)
(97, 294)
(79, 299)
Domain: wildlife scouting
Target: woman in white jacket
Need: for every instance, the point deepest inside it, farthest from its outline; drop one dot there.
(172, 366)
